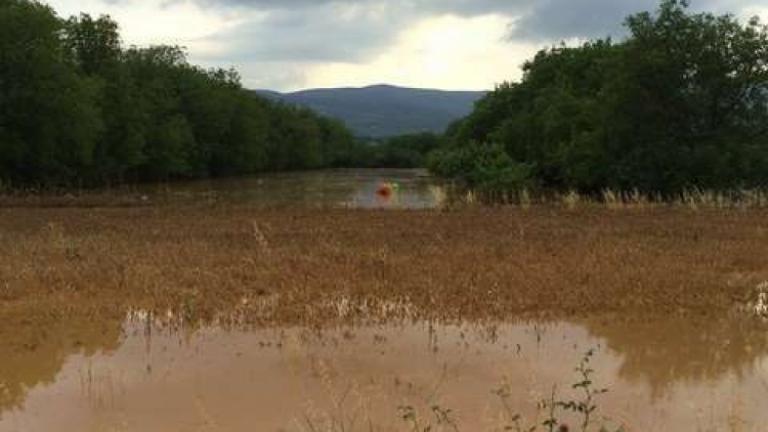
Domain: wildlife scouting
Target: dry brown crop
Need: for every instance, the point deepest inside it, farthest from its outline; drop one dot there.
(294, 266)
(69, 275)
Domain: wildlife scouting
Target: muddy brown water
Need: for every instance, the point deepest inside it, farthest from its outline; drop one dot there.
(343, 188)
(139, 375)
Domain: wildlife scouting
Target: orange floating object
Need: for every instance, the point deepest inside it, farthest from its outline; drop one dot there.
(384, 190)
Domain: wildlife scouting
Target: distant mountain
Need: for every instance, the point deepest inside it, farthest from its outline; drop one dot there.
(382, 110)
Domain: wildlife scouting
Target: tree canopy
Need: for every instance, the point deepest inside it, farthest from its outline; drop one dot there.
(681, 102)
(79, 108)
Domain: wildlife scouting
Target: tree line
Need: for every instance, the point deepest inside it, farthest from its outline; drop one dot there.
(79, 108)
(680, 103)
(401, 151)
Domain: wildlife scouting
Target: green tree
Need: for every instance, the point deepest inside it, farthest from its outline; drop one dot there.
(94, 45)
(681, 103)
(49, 120)
(687, 105)
(169, 153)
(78, 108)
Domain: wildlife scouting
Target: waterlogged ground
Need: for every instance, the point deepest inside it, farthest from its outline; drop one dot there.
(667, 375)
(349, 188)
(342, 188)
(226, 314)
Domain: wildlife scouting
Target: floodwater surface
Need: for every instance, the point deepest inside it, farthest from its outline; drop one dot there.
(273, 313)
(344, 188)
(139, 375)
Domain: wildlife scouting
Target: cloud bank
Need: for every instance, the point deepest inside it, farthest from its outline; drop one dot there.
(287, 44)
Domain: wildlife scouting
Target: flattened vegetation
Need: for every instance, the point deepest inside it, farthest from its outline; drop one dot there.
(316, 267)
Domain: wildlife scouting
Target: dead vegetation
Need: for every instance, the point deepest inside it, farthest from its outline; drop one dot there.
(317, 267)
(70, 275)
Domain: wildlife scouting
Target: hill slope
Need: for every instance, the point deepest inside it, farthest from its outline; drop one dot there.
(384, 111)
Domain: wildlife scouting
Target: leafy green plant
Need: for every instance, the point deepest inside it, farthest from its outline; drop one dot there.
(585, 406)
(554, 407)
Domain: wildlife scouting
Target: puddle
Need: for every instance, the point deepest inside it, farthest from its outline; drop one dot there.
(141, 376)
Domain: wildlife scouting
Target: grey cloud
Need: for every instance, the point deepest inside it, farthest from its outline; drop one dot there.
(460, 7)
(278, 76)
(338, 30)
(298, 32)
(318, 33)
(552, 20)
(312, 30)
(562, 19)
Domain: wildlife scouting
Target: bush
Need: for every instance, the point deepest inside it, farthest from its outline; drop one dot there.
(487, 169)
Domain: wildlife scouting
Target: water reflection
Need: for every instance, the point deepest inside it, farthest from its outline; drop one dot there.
(33, 351)
(76, 374)
(353, 188)
(665, 353)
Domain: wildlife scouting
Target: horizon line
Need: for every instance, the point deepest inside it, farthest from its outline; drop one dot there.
(360, 87)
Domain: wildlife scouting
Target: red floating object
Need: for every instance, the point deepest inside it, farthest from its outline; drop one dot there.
(384, 190)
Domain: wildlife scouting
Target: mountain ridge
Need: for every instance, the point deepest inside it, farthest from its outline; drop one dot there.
(384, 110)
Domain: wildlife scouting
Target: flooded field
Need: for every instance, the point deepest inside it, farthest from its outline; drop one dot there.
(348, 188)
(394, 189)
(669, 375)
(236, 316)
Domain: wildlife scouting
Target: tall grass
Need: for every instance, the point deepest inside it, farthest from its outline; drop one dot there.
(693, 198)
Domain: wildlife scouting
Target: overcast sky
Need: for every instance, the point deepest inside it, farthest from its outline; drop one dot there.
(450, 44)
